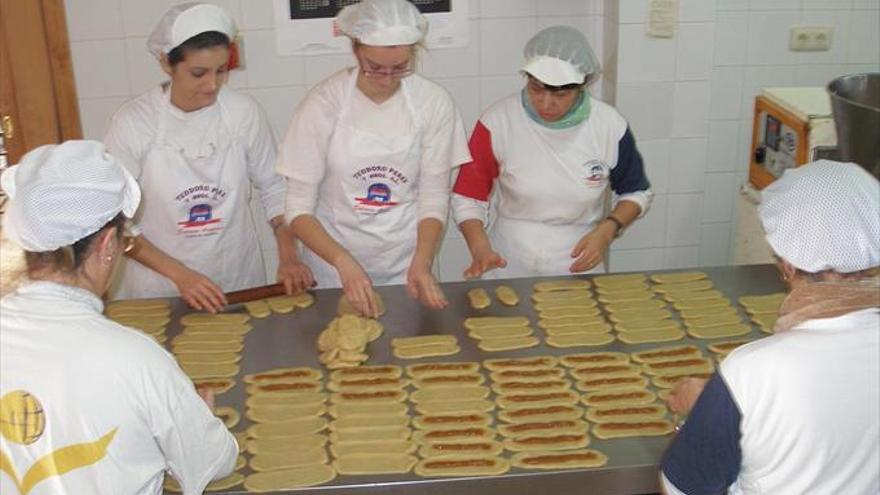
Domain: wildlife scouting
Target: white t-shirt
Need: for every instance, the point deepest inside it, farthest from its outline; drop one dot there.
(134, 127)
(86, 379)
(809, 405)
(302, 157)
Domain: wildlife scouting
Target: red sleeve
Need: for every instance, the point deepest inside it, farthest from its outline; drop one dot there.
(475, 178)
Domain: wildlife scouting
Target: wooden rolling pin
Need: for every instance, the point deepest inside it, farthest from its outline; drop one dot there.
(254, 293)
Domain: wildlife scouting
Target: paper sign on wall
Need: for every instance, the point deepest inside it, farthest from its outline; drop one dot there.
(662, 15)
(306, 27)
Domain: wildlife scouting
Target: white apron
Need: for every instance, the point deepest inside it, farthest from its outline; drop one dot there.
(195, 208)
(368, 197)
(537, 175)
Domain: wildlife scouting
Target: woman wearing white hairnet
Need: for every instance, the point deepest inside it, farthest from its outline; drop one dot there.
(368, 158)
(554, 153)
(799, 411)
(196, 148)
(106, 401)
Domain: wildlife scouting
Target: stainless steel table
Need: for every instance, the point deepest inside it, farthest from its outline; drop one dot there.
(289, 340)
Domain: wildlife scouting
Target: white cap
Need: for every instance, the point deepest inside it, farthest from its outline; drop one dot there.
(561, 55)
(186, 20)
(824, 215)
(61, 193)
(383, 22)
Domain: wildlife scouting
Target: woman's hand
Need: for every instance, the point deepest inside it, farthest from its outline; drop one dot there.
(357, 286)
(199, 291)
(484, 259)
(591, 249)
(422, 286)
(685, 395)
(296, 276)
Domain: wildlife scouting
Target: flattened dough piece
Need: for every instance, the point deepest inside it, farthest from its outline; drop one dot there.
(556, 427)
(677, 277)
(588, 328)
(198, 319)
(678, 366)
(450, 394)
(593, 358)
(371, 434)
(568, 312)
(454, 433)
(283, 445)
(218, 386)
(476, 322)
(275, 414)
(541, 413)
(562, 296)
(296, 459)
(508, 343)
(536, 375)
(282, 375)
(367, 422)
(205, 371)
(377, 447)
(281, 304)
(712, 321)
(538, 362)
(520, 400)
(658, 427)
(445, 381)
(626, 296)
(350, 410)
(613, 382)
(562, 285)
(499, 332)
(572, 459)
(456, 406)
(511, 387)
(579, 340)
(291, 428)
(719, 331)
(283, 479)
(209, 358)
(479, 298)
(666, 353)
(420, 340)
(461, 448)
(230, 416)
(684, 286)
(605, 370)
(424, 351)
(616, 414)
(506, 295)
(374, 463)
(727, 346)
(446, 466)
(368, 397)
(586, 301)
(442, 421)
(441, 368)
(642, 325)
(551, 441)
(381, 370)
(631, 306)
(619, 278)
(258, 309)
(619, 397)
(358, 384)
(646, 336)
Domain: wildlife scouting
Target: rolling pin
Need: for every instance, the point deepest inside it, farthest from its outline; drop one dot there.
(254, 293)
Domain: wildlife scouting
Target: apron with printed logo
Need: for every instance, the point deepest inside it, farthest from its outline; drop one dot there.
(540, 175)
(195, 208)
(368, 197)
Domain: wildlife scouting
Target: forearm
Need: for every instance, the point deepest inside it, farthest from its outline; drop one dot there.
(310, 232)
(474, 234)
(147, 254)
(430, 231)
(285, 240)
(626, 212)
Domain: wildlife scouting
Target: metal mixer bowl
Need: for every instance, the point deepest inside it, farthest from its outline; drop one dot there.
(855, 102)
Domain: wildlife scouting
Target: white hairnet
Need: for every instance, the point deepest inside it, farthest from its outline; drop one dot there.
(824, 215)
(383, 22)
(61, 193)
(561, 55)
(186, 20)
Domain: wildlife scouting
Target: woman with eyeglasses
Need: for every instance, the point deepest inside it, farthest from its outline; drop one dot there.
(555, 154)
(368, 158)
(196, 149)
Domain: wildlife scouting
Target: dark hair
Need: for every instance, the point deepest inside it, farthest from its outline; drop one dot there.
(552, 88)
(208, 39)
(68, 259)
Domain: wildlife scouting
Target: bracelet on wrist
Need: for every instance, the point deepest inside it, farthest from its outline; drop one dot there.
(619, 225)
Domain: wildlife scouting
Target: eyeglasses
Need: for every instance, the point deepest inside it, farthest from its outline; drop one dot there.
(380, 74)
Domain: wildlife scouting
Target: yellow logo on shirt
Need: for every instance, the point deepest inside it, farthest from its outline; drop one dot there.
(22, 421)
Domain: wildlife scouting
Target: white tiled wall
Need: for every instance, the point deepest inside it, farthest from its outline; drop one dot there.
(689, 102)
(688, 99)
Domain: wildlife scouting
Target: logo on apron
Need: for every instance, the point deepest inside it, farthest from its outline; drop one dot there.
(379, 181)
(198, 207)
(596, 173)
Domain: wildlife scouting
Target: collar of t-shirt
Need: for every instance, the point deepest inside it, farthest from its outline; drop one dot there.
(53, 290)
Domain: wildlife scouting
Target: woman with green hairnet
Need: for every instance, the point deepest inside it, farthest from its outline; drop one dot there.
(555, 154)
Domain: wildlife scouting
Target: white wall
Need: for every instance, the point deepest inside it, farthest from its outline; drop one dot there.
(689, 102)
(688, 99)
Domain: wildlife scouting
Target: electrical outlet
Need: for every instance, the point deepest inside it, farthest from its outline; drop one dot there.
(810, 38)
